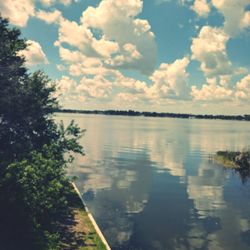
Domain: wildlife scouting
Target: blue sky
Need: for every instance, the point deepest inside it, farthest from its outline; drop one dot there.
(155, 55)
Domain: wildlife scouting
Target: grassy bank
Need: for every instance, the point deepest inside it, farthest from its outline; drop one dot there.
(77, 230)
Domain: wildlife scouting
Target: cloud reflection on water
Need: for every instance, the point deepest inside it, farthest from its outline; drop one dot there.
(127, 159)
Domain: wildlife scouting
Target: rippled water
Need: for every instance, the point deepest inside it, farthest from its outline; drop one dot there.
(150, 182)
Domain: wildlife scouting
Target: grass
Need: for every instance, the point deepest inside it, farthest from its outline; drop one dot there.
(78, 232)
(91, 238)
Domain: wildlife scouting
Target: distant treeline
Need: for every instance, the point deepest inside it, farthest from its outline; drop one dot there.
(156, 114)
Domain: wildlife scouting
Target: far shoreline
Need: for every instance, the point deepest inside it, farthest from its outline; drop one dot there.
(245, 117)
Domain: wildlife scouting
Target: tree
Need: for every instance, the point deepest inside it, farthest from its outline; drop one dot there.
(34, 188)
(26, 100)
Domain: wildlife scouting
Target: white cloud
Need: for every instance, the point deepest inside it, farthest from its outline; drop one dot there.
(131, 50)
(225, 80)
(129, 85)
(127, 97)
(222, 91)
(17, 11)
(201, 7)
(79, 64)
(81, 37)
(103, 85)
(71, 56)
(66, 85)
(68, 2)
(49, 17)
(243, 88)
(75, 35)
(34, 54)
(170, 80)
(112, 33)
(52, 2)
(105, 48)
(81, 69)
(47, 2)
(235, 16)
(116, 21)
(66, 91)
(212, 92)
(245, 21)
(129, 56)
(97, 87)
(61, 67)
(209, 48)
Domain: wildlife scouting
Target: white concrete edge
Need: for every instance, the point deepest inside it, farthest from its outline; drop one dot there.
(96, 227)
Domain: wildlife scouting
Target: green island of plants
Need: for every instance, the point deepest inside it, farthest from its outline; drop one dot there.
(240, 161)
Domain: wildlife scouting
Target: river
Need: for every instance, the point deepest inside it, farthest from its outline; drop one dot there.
(151, 184)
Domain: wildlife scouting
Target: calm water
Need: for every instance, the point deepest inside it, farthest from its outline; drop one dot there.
(150, 184)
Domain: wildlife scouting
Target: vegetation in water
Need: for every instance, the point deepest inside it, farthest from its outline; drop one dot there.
(34, 189)
(240, 161)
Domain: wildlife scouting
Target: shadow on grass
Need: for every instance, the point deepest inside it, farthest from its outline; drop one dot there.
(75, 234)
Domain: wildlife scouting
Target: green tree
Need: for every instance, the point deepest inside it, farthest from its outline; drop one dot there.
(34, 188)
(26, 100)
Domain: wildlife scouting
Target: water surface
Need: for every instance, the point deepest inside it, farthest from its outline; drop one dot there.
(150, 182)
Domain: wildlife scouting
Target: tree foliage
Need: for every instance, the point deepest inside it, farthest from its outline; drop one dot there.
(34, 188)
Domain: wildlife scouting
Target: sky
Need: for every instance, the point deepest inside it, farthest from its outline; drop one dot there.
(182, 56)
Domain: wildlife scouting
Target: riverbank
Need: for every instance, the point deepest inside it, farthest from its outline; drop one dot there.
(79, 229)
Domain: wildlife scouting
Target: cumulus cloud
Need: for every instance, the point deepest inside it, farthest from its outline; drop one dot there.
(243, 88)
(209, 48)
(212, 92)
(17, 11)
(66, 85)
(88, 89)
(34, 54)
(112, 33)
(66, 90)
(75, 35)
(219, 91)
(83, 69)
(110, 37)
(78, 64)
(126, 59)
(97, 87)
(49, 17)
(235, 16)
(170, 80)
(201, 7)
(81, 37)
